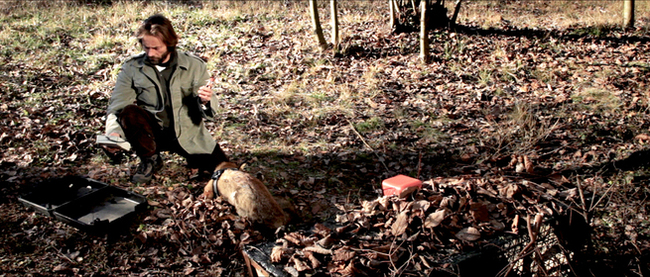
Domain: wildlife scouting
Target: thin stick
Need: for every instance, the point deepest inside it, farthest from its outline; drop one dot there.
(585, 212)
(366, 144)
(419, 164)
(64, 255)
(533, 232)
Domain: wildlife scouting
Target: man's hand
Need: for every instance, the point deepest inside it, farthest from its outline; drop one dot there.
(205, 92)
(113, 150)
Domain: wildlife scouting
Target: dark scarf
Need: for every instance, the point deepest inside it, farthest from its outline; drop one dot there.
(163, 78)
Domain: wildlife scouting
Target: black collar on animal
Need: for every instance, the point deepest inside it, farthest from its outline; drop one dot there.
(216, 175)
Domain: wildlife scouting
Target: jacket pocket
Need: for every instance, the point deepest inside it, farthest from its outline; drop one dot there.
(187, 90)
(147, 95)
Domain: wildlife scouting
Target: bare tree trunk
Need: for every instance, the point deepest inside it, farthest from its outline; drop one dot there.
(424, 32)
(393, 14)
(452, 21)
(415, 6)
(628, 13)
(335, 25)
(318, 31)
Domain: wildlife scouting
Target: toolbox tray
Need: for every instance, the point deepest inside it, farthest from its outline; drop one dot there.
(101, 211)
(49, 195)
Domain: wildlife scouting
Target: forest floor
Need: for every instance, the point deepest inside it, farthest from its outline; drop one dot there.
(524, 110)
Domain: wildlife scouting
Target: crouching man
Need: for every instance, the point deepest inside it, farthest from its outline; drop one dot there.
(159, 102)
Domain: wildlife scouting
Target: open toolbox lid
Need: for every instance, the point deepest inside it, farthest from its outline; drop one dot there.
(46, 196)
(84, 203)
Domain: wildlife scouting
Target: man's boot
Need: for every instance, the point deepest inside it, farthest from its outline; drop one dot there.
(147, 168)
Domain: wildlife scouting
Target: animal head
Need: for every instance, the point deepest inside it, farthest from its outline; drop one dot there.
(208, 190)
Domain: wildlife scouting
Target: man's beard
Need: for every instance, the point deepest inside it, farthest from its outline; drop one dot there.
(158, 61)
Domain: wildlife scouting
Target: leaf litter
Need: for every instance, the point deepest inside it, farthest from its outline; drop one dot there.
(508, 125)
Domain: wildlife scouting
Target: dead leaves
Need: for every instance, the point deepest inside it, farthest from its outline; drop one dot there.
(203, 231)
(401, 223)
(479, 212)
(447, 213)
(343, 254)
(373, 237)
(315, 262)
(38, 129)
(468, 234)
(280, 252)
(434, 219)
(645, 138)
(509, 190)
(522, 164)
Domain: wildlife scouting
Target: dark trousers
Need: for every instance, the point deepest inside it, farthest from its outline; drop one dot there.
(147, 138)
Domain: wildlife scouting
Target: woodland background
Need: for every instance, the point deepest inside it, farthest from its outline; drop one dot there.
(542, 97)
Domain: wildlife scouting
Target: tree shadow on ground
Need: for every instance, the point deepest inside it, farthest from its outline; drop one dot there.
(384, 48)
(594, 33)
(356, 173)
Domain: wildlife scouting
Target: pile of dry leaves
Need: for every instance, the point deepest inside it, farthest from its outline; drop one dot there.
(446, 220)
(433, 230)
(204, 232)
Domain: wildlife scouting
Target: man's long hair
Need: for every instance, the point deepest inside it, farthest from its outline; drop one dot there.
(159, 26)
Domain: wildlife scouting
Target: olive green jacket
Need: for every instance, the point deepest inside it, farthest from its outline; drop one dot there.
(137, 84)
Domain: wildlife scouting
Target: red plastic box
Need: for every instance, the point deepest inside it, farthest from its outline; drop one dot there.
(401, 185)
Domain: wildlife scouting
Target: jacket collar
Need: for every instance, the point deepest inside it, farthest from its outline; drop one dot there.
(181, 60)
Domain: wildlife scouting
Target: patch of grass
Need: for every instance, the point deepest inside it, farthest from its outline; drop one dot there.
(485, 77)
(597, 100)
(372, 81)
(643, 66)
(319, 97)
(372, 124)
(544, 75)
(508, 73)
(600, 30)
(103, 40)
(551, 44)
(41, 150)
(401, 113)
(427, 132)
(454, 48)
(520, 133)
(499, 53)
(287, 96)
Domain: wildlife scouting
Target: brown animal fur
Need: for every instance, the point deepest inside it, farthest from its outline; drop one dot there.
(249, 195)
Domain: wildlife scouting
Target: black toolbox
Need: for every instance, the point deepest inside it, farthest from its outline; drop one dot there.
(84, 203)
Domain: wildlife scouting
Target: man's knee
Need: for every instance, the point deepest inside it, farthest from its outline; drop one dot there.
(133, 115)
(131, 111)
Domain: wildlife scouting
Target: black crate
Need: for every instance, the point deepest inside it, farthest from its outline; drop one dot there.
(258, 261)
